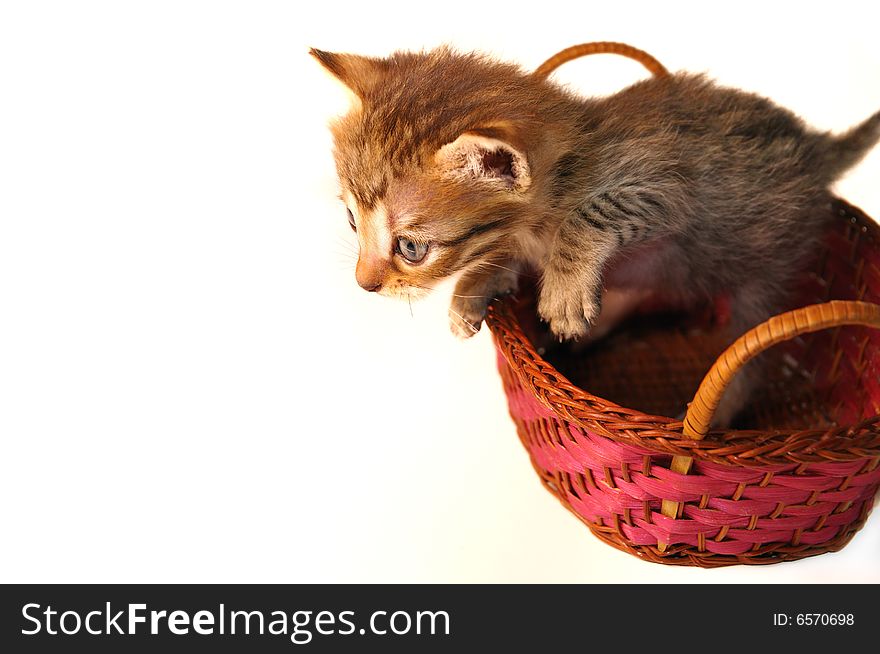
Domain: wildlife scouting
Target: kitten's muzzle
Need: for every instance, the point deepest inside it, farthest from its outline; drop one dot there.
(373, 287)
(370, 275)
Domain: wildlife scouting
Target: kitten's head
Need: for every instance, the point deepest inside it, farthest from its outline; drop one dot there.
(436, 161)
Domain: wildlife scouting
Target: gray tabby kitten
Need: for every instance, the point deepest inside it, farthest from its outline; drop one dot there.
(674, 188)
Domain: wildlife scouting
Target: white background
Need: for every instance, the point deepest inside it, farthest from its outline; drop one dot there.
(192, 386)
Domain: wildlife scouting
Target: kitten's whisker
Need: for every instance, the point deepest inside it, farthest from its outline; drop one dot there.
(489, 263)
(347, 244)
(464, 320)
(495, 265)
(424, 288)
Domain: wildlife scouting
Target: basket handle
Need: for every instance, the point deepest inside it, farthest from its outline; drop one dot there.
(779, 328)
(600, 47)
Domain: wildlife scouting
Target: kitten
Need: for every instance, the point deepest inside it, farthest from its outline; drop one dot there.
(674, 187)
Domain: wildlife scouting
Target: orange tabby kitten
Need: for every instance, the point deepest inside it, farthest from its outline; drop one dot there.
(675, 187)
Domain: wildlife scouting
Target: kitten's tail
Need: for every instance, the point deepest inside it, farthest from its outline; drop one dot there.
(848, 149)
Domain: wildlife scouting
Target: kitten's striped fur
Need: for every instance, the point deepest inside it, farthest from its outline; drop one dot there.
(673, 186)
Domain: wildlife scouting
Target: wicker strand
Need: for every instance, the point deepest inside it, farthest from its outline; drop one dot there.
(600, 47)
(775, 330)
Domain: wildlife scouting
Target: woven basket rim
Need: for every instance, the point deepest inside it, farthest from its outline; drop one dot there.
(663, 435)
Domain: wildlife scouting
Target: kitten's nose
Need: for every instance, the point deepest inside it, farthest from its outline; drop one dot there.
(370, 286)
(369, 274)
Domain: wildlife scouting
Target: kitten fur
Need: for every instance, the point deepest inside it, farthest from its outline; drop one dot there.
(674, 187)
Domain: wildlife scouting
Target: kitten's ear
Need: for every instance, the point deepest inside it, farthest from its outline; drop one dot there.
(477, 155)
(359, 74)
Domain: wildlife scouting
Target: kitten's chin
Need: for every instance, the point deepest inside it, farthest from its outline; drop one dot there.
(407, 293)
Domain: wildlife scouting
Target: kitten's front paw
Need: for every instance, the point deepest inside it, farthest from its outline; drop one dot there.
(470, 301)
(570, 311)
(466, 316)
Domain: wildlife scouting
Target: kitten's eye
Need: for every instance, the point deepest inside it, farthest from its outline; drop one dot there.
(410, 250)
(351, 220)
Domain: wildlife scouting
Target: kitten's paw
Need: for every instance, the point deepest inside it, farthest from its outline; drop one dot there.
(466, 316)
(468, 308)
(570, 311)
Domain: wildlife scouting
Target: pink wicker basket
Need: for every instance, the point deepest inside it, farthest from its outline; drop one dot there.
(798, 482)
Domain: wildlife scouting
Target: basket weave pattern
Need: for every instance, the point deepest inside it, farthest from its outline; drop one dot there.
(801, 482)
